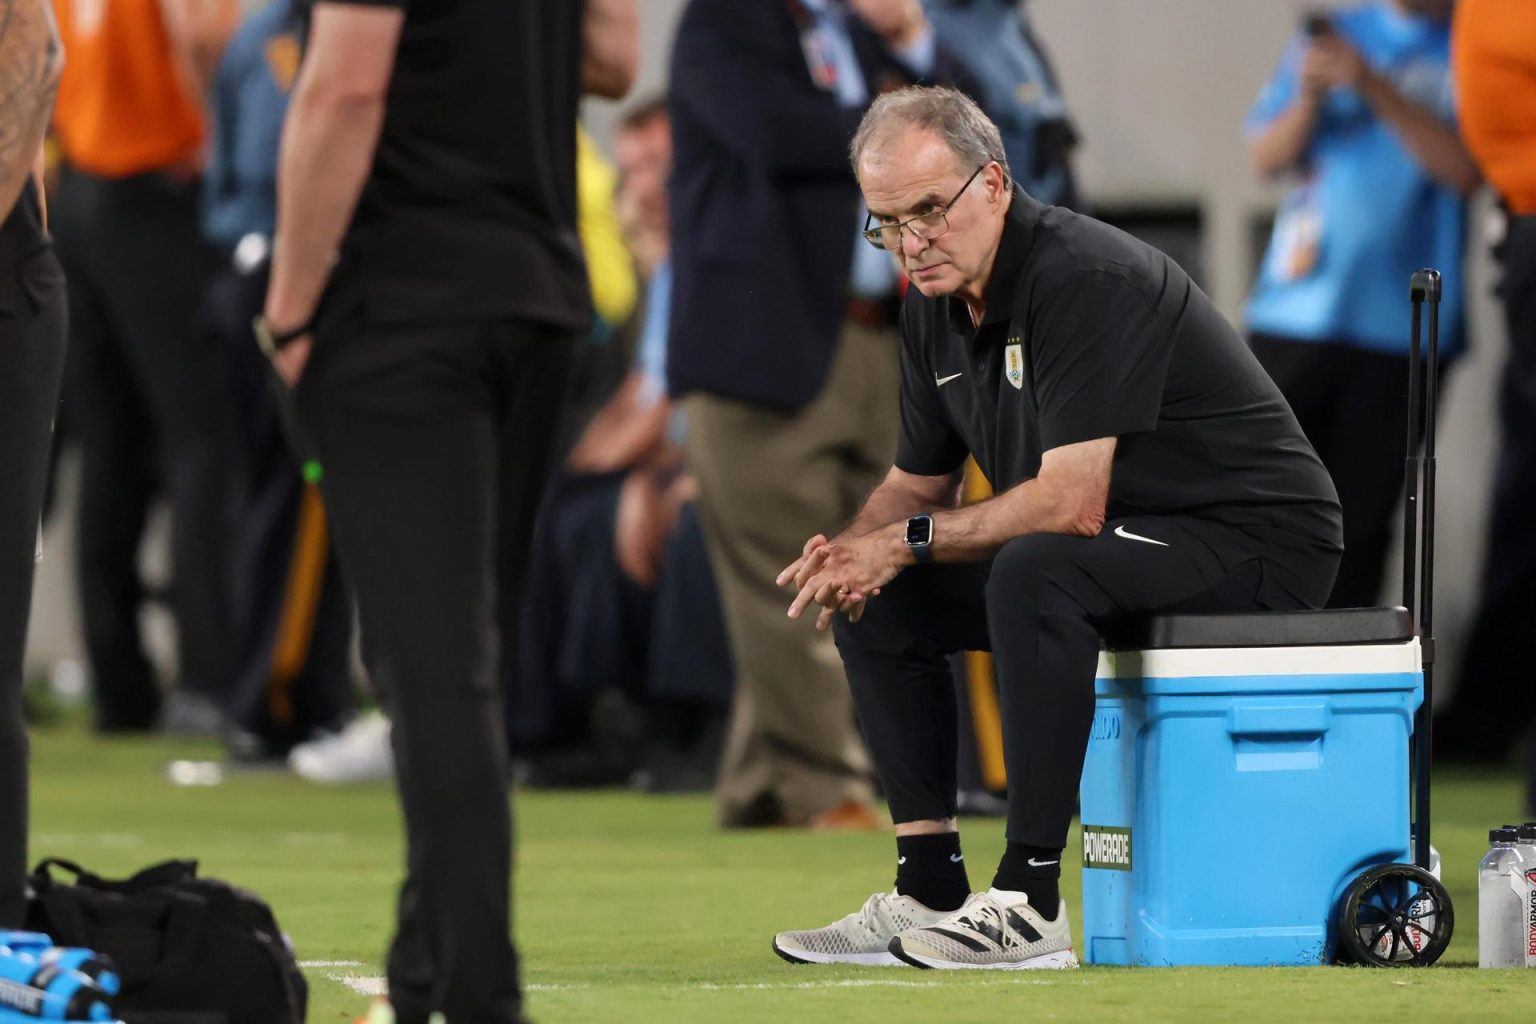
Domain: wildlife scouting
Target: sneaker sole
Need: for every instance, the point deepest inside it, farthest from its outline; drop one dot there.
(1062, 960)
(805, 956)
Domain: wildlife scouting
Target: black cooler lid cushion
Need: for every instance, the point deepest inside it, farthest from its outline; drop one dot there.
(1320, 628)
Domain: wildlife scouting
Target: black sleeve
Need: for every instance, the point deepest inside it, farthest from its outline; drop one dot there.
(929, 445)
(1099, 355)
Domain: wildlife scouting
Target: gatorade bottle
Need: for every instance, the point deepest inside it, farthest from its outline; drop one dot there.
(1526, 847)
(29, 989)
(1498, 905)
(93, 965)
(72, 998)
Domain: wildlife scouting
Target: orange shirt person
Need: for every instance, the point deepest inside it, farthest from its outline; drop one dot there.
(150, 409)
(1493, 61)
(1493, 58)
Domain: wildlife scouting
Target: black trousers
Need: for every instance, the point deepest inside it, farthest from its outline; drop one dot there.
(32, 328)
(1353, 406)
(588, 627)
(1495, 696)
(1038, 605)
(434, 441)
(148, 397)
(292, 612)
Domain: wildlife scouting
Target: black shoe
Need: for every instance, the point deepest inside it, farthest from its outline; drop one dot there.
(980, 803)
(674, 765)
(583, 767)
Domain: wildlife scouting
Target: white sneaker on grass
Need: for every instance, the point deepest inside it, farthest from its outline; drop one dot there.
(993, 931)
(359, 753)
(862, 937)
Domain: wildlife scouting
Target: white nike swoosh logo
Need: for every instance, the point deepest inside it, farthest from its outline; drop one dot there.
(956, 858)
(941, 381)
(1044, 863)
(901, 860)
(1121, 531)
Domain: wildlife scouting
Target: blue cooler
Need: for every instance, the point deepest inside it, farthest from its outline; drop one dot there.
(1241, 772)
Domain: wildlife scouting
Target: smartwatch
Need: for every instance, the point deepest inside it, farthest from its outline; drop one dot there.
(920, 538)
(272, 342)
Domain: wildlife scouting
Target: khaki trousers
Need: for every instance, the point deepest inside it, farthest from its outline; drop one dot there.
(769, 480)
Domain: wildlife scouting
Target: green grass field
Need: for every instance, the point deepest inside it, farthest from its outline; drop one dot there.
(636, 909)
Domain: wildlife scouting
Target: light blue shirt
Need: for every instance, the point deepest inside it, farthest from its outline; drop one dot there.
(1369, 211)
(873, 274)
(239, 195)
(1018, 90)
(651, 352)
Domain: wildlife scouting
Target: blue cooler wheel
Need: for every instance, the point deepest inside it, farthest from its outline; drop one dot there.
(1395, 915)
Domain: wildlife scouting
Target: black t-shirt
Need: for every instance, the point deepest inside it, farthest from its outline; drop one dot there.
(1091, 333)
(470, 209)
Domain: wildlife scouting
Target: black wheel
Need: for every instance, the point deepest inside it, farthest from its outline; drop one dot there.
(1395, 915)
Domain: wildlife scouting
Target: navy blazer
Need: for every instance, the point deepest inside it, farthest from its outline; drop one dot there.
(763, 201)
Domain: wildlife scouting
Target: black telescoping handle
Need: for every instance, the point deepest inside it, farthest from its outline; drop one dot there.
(1419, 525)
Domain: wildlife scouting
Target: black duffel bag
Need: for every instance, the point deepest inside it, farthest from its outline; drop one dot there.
(190, 950)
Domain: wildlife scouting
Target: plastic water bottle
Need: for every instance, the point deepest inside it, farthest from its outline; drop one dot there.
(1526, 847)
(1498, 905)
(1434, 854)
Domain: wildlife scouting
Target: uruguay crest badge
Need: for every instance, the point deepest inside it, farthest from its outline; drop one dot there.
(1013, 363)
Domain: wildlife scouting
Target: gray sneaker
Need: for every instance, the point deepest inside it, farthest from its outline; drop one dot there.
(859, 938)
(990, 933)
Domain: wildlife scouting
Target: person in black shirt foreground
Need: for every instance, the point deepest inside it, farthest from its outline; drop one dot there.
(1142, 460)
(32, 326)
(427, 294)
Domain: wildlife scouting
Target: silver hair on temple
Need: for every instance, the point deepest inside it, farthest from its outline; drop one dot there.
(948, 113)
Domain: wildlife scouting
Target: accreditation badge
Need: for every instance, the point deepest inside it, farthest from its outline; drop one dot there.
(1013, 364)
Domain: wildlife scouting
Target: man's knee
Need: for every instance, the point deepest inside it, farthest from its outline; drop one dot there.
(898, 621)
(1025, 565)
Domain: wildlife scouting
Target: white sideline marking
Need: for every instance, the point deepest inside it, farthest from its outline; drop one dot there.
(361, 984)
(307, 964)
(104, 840)
(365, 985)
(861, 983)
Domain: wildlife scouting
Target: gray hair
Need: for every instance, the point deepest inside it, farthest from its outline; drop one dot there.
(948, 113)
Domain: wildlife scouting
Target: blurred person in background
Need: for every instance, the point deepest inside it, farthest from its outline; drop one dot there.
(1019, 90)
(782, 345)
(626, 674)
(575, 636)
(1361, 111)
(1494, 58)
(32, 332)
(427, 295)
(147, 390)
(291, 613)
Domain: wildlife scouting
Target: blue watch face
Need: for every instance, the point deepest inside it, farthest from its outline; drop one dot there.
(919, 531)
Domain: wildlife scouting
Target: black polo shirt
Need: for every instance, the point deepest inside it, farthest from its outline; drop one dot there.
(1091, 333)
(470, 208)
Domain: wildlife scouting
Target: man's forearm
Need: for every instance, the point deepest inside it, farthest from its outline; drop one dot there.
(1432, 142)
(1280, 145)
(977, 531)
(329, 139)
(894, 501)
(30, 61)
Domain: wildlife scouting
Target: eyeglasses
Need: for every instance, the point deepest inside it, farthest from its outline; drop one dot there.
(926, 226)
